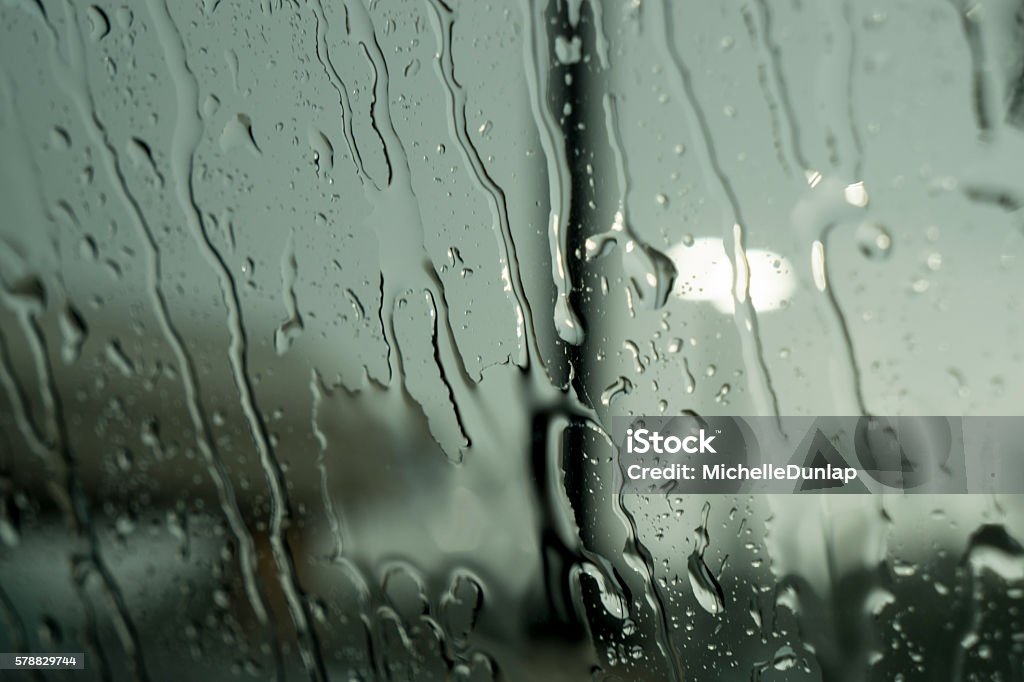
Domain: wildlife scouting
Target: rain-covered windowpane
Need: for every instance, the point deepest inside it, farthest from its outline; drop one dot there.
(317, 316)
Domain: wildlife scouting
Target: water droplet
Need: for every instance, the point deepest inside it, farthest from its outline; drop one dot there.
(618, 388)
(460, 606)
(705, 586)
(237, 134)
(99, 24)
(784, 659)
(991, 548)
(903, 569)
(10, 517)
(73, 332)
(292, 326)
(60, 138)
(873, 241)
(568, 50)
(599, 245)
(856, 194)
(405, 593)
(119, 359)
(720, 397)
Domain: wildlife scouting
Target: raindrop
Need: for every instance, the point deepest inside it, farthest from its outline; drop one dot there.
(50, 632)
(568, 50)
(60, 138)
(29, 291)
(618, 388)
(991, 548)
(404, 593)
(99, 24)
(73, 331)
(119, 359)
(705, 586)
(323, 150)
(237, 133)
(292, 326)
(874, 241)
(10, 517)
(141, 157)
(784, 659)
(460, 606)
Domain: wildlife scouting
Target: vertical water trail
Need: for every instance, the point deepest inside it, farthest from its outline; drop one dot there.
(663, 626)
(17, 398)
(572, 137)
(16, 625)
(761, 28)
(323, 55)
(42, 445)
(744, 315)
(778, 80)
(445, 22)
(78, 505)
(841, 61)
(98, 658)
(47, 430)
(535, 60)
(764, 80)
(186, 137)
(415, 322)
(601, 44)
(851, 65)
(853, 153)
(316, 386)
(320, 392)
(72, 79)
(856, 381)
(816, 217)
(56, 445)
(25, 312)
(983, 86)
(536, 391)
(652, 273)
(399, 222)
(379, 90)
(292, 326)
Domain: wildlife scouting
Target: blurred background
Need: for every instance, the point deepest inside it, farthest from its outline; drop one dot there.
(314, 315)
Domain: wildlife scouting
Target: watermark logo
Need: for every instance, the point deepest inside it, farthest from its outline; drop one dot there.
(845, 454)
(641, 441)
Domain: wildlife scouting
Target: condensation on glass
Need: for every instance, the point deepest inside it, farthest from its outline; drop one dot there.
(315, 313)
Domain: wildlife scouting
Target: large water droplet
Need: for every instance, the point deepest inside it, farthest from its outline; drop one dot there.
(705, 586)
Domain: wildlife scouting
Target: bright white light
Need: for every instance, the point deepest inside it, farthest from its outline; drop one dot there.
(818, 265)
(705, 274)
(856, 194)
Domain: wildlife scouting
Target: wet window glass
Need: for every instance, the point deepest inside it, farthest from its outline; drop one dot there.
(316, 317)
